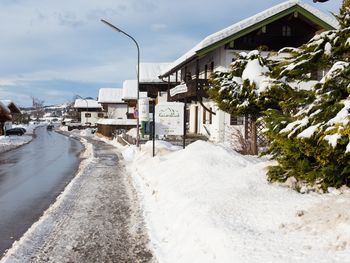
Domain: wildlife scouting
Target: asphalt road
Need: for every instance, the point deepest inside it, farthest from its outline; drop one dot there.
(31, 177)
(97, 219)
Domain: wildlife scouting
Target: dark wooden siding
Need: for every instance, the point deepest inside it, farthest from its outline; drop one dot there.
(273, 39)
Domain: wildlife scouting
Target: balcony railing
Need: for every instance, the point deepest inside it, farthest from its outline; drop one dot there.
(191, 90)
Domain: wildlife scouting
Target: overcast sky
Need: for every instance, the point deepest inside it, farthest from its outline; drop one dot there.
(54, 50)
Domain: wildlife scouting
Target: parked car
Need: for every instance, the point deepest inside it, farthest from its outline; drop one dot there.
(15, 131)
(24, 130)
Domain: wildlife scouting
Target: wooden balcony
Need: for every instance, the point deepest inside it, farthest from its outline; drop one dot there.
(195, 89)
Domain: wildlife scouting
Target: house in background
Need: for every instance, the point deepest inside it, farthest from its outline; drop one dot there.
(289, 24)
(119, 107)
(89, 111)
(116, 112)
(5, 115)
(14, 110)
(129, 95)
(155, 87)
(112, 103)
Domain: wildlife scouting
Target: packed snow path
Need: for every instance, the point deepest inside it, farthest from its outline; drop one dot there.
(97, 219)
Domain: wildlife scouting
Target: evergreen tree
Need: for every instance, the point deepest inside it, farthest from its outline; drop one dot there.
(246, 88)
(238, 91)
(308, 129)
(311, 143)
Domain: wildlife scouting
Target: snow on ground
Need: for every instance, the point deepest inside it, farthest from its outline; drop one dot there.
(96, 219)
(10, 142)
(210, 204)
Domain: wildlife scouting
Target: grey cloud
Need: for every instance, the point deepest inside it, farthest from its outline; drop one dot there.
(159, 27)
(69, 19)
(99, 13)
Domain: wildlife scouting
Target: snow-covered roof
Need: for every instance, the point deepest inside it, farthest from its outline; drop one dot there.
(86, 103)
(246, 23)
(130, 90)
(4, 108)
(11, 106)
(149, 72)
(110, 95)
(6, 102)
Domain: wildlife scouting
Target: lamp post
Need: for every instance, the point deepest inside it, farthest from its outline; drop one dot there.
(138, 76)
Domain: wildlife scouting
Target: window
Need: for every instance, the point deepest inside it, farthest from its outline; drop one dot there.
(286, 31)
(206, 72)
(247, 40)
(100, 115)
(236, 120)
(212, 67)
(87, 115)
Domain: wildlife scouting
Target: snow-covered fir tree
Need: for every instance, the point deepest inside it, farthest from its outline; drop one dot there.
(246, 90)
(307, 117)
(311, 143)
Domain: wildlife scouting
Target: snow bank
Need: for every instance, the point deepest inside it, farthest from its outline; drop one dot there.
(11, 142)
(209, 204)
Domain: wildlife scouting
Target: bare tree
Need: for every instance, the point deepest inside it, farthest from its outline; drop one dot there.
(38, 107)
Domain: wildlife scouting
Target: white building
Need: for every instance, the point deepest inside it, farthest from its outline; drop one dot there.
(90, 111)
(112, 103)
(291, 24)
(119, 108)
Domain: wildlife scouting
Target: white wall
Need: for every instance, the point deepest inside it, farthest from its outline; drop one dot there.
(93, 119)
(162, 96)
(117, 111)
(219, 130)
(8, 125)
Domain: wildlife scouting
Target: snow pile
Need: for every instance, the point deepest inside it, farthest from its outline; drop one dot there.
(209, 204)
(10, 142)
(87, 132)
(79, 133)
(132, 132)
(30, 128)
(254, 72)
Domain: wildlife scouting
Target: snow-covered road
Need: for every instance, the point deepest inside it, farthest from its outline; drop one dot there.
(96, 219)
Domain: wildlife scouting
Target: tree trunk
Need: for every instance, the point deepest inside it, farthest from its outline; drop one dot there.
(254, 136)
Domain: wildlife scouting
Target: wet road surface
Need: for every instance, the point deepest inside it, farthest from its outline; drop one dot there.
(97, 219)
(31, 177)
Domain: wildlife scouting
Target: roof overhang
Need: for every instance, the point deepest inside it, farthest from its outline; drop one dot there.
(179, 66)
(293, 10)
(246, 26)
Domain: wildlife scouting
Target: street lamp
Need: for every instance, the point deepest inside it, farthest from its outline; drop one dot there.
(138, 76)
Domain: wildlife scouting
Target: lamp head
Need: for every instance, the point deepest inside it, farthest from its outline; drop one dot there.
(110, 25)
